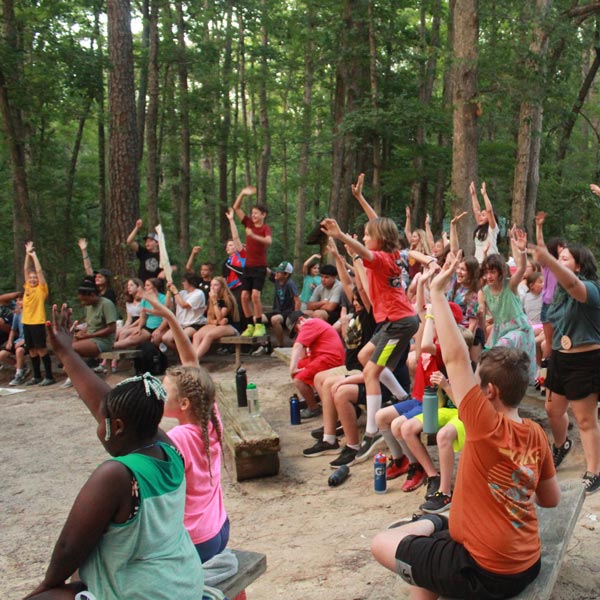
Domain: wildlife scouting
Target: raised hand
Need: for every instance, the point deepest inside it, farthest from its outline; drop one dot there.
(248, 190)
(444, 275)
(138, 224)
(229, 213)
(59, 331)
(519, 237)
(358, 186)
(595, 189)
(540, 216)
(331, 228)
(82, 243)
(458, 217)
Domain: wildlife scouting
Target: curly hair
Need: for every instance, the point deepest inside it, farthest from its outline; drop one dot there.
(195, 384)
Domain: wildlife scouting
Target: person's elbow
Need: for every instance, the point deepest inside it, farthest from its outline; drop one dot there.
(547, 493)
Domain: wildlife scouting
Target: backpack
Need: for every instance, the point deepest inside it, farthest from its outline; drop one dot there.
(151, 361)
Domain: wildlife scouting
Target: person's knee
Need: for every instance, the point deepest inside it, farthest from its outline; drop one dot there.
(410, 428)
(397, 427)
(255, 295)
(384, 417)
(446, 436)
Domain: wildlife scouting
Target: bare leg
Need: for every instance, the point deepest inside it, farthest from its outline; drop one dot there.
(556, 409)
(307, 393)
(257, 305)
(445, 437)
(586, 414)
(344, 399)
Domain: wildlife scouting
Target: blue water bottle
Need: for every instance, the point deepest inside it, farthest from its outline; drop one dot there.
(294, 410)
(430, 410)
(380, 468)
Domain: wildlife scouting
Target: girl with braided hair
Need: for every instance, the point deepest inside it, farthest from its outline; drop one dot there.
(125, 533)
(191, 400)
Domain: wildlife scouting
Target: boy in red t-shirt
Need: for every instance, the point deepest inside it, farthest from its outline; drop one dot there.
(258, 239)
(490, 546)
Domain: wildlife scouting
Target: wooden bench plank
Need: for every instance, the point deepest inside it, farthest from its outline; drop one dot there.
(121, 354)
(238, 341)
(252, 443)
(251, 566)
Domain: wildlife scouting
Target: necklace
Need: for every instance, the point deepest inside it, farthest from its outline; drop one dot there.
(144, 447)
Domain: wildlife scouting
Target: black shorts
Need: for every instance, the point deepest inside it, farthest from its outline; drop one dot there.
(35, 336)
(253, 278)
(441, 565)
(333, 315)
(574, 375)
(391, 340)
(284, 315)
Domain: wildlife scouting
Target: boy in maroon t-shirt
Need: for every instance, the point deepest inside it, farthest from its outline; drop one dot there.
(258, 239)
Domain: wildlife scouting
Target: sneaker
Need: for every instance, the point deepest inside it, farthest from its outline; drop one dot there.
(318, 432)
(322, 448)
(309, 413)
(47, 381)
(259, 351)
(591, 482)
(34, 381)
(368, 446)
(101, 370)
(433, 485)
(438, 503)
(415, 477)
(19, 378)
(396, 467)
(248, 332)
(67, 383)
(558, 454)
(260, 330)
(346, 457)
(440, 521)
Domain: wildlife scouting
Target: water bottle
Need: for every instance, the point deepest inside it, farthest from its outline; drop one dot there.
(252, 394)
(339, 476)
(380, 468)
(241, 382)
(295, 410)
(430, 410)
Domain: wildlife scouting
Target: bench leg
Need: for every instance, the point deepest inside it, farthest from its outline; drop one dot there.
(238, 356)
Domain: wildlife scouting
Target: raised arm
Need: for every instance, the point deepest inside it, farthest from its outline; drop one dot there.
(428, 232)
(454, 245)
(474, 201)
(357, 193)
(518, 243)
(488, 207)
(305, 266)
(249, 190)
(332, 229)
(454, 350)
(36, 263)
(131, 241)
(189, 265)
(407, 225)
(87, 263)
(235, 235)
(540, 217)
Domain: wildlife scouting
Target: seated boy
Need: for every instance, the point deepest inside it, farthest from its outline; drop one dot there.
(490, 546)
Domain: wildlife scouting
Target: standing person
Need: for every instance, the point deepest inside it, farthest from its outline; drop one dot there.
(487, 230)
(233, 267)
(34, 318)
(124, 536)
(573, 378)
(391, 309)
(258, 239)
(148, 254)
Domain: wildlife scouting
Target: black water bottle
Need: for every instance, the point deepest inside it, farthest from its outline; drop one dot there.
(339, 476)
(241, 382)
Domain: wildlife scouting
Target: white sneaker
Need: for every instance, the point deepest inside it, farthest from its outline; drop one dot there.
(67, 383)
(18, 379)
(259, 351)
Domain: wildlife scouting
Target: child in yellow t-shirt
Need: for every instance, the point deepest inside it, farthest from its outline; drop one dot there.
(34, 318)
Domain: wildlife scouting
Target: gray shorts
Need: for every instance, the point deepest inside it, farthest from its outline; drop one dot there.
(392, 339)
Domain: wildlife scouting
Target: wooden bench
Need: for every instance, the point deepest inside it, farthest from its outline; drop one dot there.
(121, 354)
(238, 341)
(251, 566)
(252, 443)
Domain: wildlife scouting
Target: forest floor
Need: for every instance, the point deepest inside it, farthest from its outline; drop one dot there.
(316, 538)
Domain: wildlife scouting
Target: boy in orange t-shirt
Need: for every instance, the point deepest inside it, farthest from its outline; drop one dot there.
(489, 548)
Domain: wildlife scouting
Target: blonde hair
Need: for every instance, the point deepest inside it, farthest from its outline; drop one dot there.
(384, 231)
(195, 384)
(226, 296)
(422, 245)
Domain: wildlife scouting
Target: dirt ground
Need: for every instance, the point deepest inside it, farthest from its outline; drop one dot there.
(316, 538)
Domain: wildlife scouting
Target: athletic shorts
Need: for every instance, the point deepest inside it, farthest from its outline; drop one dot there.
(574, 375)
(35, 336)
(391, 340)
(409, 408)
(253, 278)
(445, 567)
(269, 316)
(311, 366)
(103, 344)
(449, 416)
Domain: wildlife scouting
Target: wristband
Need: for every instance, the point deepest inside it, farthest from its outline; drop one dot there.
(357, 257)
(430, 317)
(432, 260)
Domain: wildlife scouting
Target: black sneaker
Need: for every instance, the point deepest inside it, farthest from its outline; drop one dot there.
(368, 446)
(318, 432)
(346, 457)
(433, 485)
(47, 381)
(321, 448)
(438, 503)
(34, 381)
(591, 482)
(558, 454)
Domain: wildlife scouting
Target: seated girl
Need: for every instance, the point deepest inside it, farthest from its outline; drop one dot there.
(125, 534)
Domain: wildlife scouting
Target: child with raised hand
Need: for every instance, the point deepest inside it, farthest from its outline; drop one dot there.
(487, 230)
(125, 533)
(391, 309)
(311, 279)
(191, 400)
(490, 545)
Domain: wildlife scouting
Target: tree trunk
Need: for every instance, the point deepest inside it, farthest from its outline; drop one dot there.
(376, 138)
(265, 132)
(464, 93)
(184, 136)
(244, 101)
(122, 152)
(143, 83)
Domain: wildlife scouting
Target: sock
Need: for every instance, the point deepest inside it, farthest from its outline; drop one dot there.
(392, 443)
(354, 446)
(373, 405)
(391, 383)
(47, 365)
(35, 365)
(440, 522)
(20, 372)
(406, 450)
(329, 438)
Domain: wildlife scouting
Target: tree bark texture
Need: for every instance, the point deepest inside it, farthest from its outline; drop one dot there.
(265, 132)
